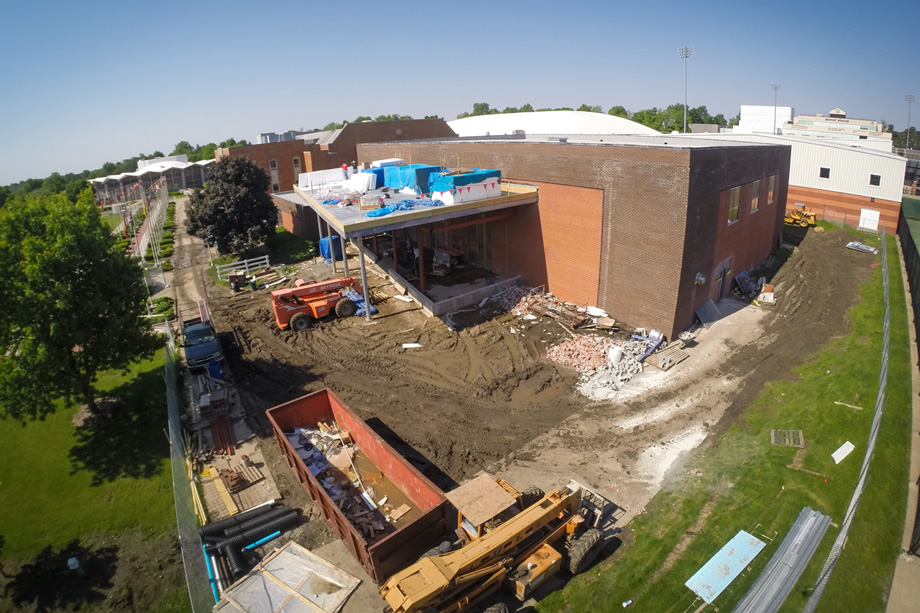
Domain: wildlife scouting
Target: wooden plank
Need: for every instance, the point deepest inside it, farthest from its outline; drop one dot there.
(400, 511)
(232, 509)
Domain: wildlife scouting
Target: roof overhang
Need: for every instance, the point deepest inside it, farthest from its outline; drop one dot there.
(351, 221)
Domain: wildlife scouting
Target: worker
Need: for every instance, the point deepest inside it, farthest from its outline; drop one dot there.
(344, 170)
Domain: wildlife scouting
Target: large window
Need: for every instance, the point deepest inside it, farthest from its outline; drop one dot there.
(771, 190)
(824, 173)
(296, 163)
(734, 199)
(755, 197)
(273, 164)
(875, 180)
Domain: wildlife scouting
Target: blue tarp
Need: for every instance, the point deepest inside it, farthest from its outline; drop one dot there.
(324, 248)
(722, 568)
(413, 176)
(402, 205)
(443, 182)
(358, 299)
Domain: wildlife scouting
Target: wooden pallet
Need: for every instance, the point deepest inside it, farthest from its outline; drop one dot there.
(787, 438)
(668, 357)
(250, 473)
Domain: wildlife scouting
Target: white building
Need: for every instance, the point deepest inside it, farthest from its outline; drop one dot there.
(859, 186)
(547, 122)
(837, 126)
(178, 171)
(763, 119)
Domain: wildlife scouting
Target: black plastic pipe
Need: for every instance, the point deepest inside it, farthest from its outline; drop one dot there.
(258, 521)
(237, 562)
(254, 534)
(219, 526)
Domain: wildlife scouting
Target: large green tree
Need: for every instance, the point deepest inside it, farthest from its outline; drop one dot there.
(233, 210)
(72, 304)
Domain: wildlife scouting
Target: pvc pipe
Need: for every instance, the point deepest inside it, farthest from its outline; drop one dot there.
(270, 537)
(210, 574)
(220, 586)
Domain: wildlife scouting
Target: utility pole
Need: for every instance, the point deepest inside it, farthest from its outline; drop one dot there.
(775, 87)
(909, 98)
(685, 53)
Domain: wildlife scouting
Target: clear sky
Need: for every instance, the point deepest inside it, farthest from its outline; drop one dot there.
(89, 82)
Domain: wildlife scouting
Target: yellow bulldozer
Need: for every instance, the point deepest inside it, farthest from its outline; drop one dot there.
(505, 539)
(804, 218)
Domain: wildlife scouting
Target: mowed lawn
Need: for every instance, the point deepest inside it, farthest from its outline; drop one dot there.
(745, 483)
(57, 485)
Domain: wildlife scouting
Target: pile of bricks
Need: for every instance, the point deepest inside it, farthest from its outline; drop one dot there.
(584, 353)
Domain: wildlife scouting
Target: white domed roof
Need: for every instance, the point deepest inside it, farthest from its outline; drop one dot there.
(547, 122)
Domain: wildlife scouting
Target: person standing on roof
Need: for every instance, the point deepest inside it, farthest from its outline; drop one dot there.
(344, 170)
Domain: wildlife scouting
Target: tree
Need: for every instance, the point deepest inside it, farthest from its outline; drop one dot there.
(183, 147)
(481, 108)
(618, 111)
(72, 304)
(734, 121)
(590, 109)
(527, 108)
(233, 210)
(361, 118)
(719, 119)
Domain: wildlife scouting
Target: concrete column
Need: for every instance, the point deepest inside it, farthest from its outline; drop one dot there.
(367, 299)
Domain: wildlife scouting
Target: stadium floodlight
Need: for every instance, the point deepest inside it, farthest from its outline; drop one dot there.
(685, 53)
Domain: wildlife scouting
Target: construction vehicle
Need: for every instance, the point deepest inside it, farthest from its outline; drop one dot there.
(296, 307)
(520, 547)
(804, 218)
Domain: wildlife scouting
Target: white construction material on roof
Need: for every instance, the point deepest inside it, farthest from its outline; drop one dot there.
(292, 579)
(842, 452)
(547, 122)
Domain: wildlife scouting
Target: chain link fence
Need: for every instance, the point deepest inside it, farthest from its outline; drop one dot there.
(834, 555)
(196, 571)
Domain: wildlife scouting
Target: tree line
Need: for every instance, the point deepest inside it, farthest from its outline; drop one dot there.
(72, 183)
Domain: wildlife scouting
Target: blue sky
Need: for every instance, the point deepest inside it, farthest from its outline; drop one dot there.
(90, 82)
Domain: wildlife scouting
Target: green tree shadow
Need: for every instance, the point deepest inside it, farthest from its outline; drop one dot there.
(47, 583)
(130, 442)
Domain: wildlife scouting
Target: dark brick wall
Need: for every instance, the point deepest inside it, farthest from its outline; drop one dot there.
(657, 227)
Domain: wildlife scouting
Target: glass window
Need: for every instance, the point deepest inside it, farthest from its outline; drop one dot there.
(276, 187)
(771, 189)
(273, 164)
(734, 199)
(755, 197)
(875, 180)
(825, 173)
(296, 162)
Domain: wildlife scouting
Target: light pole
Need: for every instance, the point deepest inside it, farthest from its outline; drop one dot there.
(685, 53)
(775, 87)
(909, 98)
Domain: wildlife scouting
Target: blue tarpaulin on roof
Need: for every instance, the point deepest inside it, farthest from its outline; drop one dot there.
(413, 176)
(443, 182)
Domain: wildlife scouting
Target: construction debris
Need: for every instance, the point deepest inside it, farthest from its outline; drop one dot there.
(584, 353)
(858, 246)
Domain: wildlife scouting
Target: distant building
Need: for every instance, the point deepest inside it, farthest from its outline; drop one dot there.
(841, 182)
(282, 161)
(763, 119)
(837, 126)
(546, 122)
(273, 137)
(705, 128)
(176, 169)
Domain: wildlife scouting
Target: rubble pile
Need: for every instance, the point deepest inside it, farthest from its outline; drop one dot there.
(609, 378)
(584, 353)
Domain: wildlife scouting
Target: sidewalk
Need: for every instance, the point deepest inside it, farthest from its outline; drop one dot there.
(905, 586)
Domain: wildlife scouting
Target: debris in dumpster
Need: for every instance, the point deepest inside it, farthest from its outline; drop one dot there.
(858, 246)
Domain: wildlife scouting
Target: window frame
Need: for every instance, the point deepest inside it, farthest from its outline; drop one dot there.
(771, 190)
(821, 170)
(276, 187)
(734, 204)
(755, 196)
(273, 164)
(878, 179)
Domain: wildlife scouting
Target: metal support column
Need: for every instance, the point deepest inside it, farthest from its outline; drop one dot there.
(421, 259)
(367, 298)
(395, 252)
(345, 254)
(331, 247)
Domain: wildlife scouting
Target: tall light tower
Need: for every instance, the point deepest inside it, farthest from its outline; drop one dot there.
(685, 53)
(775, 87)
(909, 98)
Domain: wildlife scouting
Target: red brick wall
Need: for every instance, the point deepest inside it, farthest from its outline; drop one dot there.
(845, 208)
(283, 153)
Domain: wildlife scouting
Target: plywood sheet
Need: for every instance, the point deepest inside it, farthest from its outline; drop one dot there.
(480, 499)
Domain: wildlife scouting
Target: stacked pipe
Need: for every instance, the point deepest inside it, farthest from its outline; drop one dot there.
(226, 540)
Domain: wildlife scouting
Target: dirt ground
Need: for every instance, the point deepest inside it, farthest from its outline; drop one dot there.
(481, 397)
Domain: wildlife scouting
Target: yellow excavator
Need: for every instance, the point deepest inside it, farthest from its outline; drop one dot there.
(804, 218)
(506, 538)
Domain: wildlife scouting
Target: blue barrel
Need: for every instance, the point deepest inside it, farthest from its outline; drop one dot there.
(325, 252)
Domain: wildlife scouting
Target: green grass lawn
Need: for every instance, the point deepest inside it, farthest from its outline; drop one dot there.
(288, 248)
(744, 482)
(111, 220)
(58, 484)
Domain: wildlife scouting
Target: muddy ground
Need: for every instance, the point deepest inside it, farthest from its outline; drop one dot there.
(481, 397)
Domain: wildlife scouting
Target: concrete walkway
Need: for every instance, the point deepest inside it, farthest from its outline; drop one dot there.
(905, 586)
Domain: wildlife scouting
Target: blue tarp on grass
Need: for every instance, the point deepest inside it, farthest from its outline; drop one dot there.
(721, 569)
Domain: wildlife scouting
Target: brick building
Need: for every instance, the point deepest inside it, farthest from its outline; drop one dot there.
(648, 228)
(282, 161)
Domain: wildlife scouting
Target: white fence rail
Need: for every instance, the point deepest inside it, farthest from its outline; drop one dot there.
(225, 270)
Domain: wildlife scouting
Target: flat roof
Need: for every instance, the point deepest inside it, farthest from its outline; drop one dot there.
(659, 141)
(350, 221)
